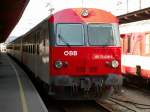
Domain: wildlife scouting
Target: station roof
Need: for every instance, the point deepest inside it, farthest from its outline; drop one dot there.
(11, 11)
(139, 15)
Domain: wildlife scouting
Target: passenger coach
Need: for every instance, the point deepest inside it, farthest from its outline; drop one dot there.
(135, 42)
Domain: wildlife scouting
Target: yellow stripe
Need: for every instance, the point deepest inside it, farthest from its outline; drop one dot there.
(21, 90)
(22, 95)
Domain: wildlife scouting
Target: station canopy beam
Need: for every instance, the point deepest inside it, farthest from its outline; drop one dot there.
(139, 15)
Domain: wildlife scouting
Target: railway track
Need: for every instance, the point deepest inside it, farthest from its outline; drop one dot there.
(130, 101)
(116, 106)
(83, 106)
(110, 105)
(113, 104)
(135, 87)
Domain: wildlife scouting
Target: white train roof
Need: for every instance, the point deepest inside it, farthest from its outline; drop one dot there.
(141, 26)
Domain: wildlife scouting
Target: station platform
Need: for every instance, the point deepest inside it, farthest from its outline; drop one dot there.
(17, 93)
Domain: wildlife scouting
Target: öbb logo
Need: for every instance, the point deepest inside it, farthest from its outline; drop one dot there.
(70, 53)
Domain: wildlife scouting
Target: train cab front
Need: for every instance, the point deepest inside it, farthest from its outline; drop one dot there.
(85, 60)
(85, 54)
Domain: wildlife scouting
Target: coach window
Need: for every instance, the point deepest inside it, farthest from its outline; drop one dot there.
(30, 49)
(38, 49)
(147, 43)
(70, 34)
(27, 49)
(33, 49)
(44, 42)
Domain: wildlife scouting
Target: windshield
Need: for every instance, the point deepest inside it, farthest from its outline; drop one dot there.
(70, 34)
(103, 34)
(87, 34)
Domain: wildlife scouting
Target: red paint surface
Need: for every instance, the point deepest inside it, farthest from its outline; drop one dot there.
(74, 16)
(85, 62)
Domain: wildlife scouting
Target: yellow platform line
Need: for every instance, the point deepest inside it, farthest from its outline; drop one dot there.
(21, 90)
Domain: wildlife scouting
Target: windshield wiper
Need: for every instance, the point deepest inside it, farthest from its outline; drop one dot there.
(63, 40)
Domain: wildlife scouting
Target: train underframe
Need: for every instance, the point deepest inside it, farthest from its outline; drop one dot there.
(86, 88)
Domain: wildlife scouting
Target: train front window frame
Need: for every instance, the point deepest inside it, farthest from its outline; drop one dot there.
(71, 35)
(99, 38)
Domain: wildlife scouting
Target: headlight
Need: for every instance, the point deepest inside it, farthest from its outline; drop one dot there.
(114, 63)
(58, 64)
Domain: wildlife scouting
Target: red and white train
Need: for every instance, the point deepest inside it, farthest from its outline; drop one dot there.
(75, 52)
(135, 40)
